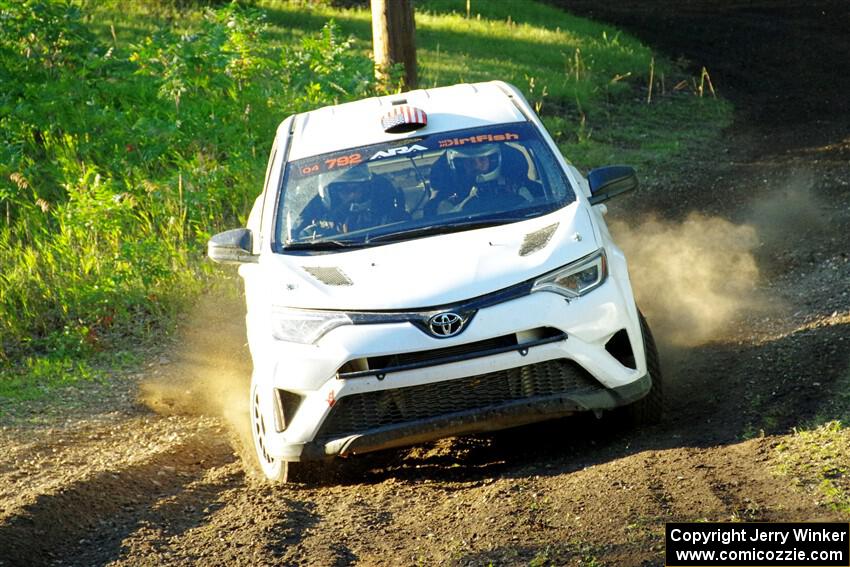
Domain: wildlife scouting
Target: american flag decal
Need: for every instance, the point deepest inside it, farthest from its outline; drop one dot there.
(404, 118)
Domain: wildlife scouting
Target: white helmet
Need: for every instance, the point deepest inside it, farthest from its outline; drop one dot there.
(471, 155)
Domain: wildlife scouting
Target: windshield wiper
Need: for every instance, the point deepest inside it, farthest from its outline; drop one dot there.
(322, 244)
(432, 230)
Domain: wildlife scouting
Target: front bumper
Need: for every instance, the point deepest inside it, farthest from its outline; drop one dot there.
(510, 414)
(316, 375)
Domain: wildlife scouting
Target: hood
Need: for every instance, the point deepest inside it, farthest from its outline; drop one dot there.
(431, 271)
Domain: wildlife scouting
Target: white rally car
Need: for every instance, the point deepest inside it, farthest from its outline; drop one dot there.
(425, 265)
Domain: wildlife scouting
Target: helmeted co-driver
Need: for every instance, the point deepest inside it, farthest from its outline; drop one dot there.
(477, 178)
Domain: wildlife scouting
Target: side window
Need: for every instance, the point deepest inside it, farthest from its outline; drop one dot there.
(553, 179)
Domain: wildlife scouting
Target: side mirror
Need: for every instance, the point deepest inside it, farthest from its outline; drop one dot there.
(232, 247)
(610, 181)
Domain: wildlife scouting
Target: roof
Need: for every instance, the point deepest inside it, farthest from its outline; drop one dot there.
(358, 123)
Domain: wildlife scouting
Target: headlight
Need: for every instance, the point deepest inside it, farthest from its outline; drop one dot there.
(302, 326)
(577, 278)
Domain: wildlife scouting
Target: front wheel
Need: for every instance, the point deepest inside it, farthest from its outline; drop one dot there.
(649, 409)
(274, 469)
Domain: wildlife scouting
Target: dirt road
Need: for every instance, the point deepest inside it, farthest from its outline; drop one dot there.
(148, 471)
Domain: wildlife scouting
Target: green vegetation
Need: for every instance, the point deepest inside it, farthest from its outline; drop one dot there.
(131, 133)
(120, 160)
(817, 460)
(589, 81)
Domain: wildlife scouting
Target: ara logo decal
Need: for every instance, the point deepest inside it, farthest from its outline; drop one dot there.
(399, 151)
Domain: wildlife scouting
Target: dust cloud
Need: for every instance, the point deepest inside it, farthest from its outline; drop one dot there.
(207, 372)
(791, 212)
(696, 278)
(691, 278)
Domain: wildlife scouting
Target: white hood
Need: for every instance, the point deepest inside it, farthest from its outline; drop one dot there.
(431, 271)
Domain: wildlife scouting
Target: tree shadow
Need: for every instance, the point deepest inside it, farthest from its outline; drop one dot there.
(87, 521)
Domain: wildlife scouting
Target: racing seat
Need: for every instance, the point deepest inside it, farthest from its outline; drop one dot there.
(388, 203)
(515, 169)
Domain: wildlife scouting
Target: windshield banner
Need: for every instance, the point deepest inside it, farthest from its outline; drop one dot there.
(409, 147)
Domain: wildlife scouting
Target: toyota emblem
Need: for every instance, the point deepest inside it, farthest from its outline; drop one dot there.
(445, 325)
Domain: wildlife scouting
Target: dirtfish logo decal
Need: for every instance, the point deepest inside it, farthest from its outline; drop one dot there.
(399, 151)
(480, 139)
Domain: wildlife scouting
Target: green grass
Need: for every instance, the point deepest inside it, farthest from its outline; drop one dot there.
(581, 63)
(118, 160)
(817, 458)
(818, 461)
(39, 376)
(131, 131)
(589, 81)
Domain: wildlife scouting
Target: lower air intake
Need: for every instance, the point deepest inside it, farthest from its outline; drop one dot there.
(360, 412)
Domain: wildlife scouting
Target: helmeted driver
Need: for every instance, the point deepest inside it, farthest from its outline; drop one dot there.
(352, 200)
(481, 162)
(472, 178)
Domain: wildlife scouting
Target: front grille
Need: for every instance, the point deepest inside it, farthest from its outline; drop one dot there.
(360, 412)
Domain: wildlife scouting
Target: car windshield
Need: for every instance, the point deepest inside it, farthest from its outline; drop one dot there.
(410, 188)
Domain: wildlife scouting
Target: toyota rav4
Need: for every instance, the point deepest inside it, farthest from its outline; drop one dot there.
(425, 265)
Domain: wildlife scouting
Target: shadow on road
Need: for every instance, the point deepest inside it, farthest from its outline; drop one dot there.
(89, 519)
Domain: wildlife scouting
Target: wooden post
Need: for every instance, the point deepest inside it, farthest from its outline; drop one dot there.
(394, 39)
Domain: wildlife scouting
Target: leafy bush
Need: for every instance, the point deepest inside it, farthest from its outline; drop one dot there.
(115, 167)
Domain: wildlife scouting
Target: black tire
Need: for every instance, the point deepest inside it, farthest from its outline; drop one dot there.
(648, 410)
(274, 469)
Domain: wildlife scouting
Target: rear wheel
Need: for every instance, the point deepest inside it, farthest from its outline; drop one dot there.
(649, 409)
(274, 468)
